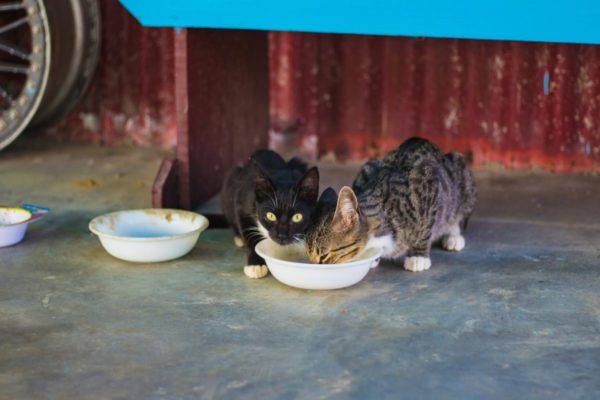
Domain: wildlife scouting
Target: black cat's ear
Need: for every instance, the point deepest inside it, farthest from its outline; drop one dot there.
(346, 212)
(263, 187)
(308, 187)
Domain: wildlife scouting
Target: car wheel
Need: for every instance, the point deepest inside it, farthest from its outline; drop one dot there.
(48, 54)
(75, 30)
(24, 64)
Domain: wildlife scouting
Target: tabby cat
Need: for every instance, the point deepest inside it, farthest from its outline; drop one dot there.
(269, 197)
(402, 204)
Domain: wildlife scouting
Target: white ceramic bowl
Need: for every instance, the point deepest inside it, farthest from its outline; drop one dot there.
(289, 265)
(13, 225)
(150, 235)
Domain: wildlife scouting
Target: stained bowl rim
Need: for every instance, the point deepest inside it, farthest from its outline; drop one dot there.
(30, 215)
(203, 226)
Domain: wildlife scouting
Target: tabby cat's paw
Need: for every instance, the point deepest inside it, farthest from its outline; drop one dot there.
(453, 242)
(238, 241)
(417, 264)
(256, 271)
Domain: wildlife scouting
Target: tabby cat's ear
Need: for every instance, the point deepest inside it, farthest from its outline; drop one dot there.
(263, 187)
(346, 212)
(329, 196)
(327, 202)
(308, 187)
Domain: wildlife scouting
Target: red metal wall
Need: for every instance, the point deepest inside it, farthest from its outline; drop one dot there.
(132, 96)
(355, 97)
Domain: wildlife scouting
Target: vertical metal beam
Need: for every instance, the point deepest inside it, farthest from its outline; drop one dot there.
(182, 117)
(222, 102)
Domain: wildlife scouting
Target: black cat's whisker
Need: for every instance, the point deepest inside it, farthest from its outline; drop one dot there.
(256, 236)
(298, 238)
(254, 232)
(274, 200)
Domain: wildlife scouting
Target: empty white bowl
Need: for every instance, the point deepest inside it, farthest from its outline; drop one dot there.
(151, 235)
(289, 265)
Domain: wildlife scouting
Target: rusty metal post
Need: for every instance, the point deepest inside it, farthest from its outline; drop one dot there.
(222, 102)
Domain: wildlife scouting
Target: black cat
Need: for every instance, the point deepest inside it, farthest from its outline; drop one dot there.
(268, 197)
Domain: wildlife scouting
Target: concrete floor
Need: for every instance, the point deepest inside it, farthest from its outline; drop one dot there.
(515, 315)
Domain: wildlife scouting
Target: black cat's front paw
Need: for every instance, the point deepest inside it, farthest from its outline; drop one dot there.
(238, 241)
(256, 271)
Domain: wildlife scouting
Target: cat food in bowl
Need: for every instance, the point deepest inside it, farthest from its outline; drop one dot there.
(151, 235)
(13, 225)
(14, 222)
(290, 265)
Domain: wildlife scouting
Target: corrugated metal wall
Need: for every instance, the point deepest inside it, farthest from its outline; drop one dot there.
(132, 96)
(355, 97)
(517, 103)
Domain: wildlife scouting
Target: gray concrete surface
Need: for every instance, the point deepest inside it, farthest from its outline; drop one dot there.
(515, 315)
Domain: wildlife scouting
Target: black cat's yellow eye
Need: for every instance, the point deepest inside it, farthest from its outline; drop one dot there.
(297, 217)
(271, 217)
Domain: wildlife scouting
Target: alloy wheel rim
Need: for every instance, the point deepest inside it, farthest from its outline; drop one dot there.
(24, 67)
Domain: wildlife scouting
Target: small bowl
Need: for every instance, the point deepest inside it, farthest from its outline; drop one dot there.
(151, 235)
(289, 265)
(13, 225)
(14, 222)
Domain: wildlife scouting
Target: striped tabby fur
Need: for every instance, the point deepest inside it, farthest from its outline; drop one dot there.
(403, 203)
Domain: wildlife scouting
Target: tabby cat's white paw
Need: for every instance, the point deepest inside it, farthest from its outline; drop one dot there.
(238, 241)
(417, 264)
(453, 242)
(256, 271)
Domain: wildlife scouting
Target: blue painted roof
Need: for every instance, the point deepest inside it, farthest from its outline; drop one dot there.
(575, 21)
